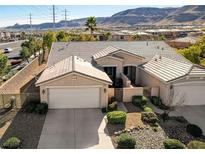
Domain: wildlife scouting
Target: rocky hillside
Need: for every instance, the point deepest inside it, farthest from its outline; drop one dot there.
(191, 14)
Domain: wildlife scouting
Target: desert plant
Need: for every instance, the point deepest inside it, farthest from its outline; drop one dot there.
(125, 141)
(149, 117)
(196, 145)
(147, 109)
(30, 106)
(116, 117)
(11, 143)
(112, 106)
(173, 144)
(139, 101)
(194, 130)
(41, 108)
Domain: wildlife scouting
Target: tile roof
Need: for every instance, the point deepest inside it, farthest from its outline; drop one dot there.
(85, 50)
(167, 69)
(104, 52)
(196, 71)
(72, 64)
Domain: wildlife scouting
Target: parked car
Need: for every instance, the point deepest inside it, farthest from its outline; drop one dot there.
(7, 50)
(14, 62)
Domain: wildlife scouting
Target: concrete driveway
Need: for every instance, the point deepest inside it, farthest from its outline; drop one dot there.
(74, 129)
(194, 114)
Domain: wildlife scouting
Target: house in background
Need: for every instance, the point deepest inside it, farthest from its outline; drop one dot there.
(86, 74)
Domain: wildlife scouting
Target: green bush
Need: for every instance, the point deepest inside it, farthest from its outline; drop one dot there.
(41, 108)
(147, 109)
(149, 117)
(104, 110)
(139, 101)
(173, 144)
(116, 117)
(196, 145)
(30, 106)
(112, 106)
(158, 102)
(113, 99)
(194, 130)
(125, 141)
(11, 143)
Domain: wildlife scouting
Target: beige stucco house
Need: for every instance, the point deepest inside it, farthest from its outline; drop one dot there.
(81, 74)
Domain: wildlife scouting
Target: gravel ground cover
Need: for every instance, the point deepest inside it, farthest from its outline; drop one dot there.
(27, 127)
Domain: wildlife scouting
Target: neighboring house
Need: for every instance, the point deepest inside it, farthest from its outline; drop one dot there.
(80, 74)
(181, 43)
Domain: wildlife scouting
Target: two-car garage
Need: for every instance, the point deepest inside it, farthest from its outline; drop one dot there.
(74, 83)
(74, 97)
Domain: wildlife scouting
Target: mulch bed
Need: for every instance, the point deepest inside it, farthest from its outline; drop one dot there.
(27, 127)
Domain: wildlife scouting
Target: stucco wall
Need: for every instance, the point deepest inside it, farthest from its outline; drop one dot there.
(108, 62)
(129, 59)
(131, 91)
(111, 93)
(75, 80)
(150, 81)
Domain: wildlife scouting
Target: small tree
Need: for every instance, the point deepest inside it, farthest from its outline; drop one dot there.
(91, 24)
(25, 54)
(173, 102)
(3, 63)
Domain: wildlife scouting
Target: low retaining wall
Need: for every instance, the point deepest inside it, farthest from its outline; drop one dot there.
(131, 91)
(13, 85)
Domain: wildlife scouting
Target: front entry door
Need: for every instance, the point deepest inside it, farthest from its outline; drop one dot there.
(111, 72)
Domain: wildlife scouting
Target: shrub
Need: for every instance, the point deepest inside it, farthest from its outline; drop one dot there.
(116, 117)
(196, 145)
(12, 143)
(41, 108)
(112, 106)
(194, 130)
(149, 117)
(113, 99)
(147, 109)
(173, 144)
(139, 101)
(104, 110)
(125, 141)
(156, 100)
(30, 106)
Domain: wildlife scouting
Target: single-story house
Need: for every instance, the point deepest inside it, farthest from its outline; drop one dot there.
(79, 74)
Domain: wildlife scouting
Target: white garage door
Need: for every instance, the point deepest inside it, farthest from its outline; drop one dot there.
(194, 94)
(80, 97)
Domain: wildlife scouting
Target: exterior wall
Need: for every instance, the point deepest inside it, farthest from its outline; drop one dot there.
(129, 59)
(155, 91)
(108, 61)
(78, 81)
(150, 81)
(126, 81)
(111, 93)
(131, 91)
(15, 83)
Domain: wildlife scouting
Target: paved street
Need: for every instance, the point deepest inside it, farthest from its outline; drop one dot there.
(15, 46)
(75, 129)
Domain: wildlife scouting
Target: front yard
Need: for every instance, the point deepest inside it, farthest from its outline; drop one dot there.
(27, 127)
(151, 136)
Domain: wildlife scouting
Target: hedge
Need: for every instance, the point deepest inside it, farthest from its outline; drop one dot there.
(116, 117)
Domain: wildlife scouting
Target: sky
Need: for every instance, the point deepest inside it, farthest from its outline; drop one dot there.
(12, 14)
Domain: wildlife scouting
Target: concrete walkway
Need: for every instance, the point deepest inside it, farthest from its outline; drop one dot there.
(75, 129)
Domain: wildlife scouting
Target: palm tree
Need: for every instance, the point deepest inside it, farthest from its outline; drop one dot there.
(91, 24)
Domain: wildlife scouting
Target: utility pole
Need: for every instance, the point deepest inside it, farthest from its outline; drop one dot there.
(54, 17)
(65, 19)
(30, 17)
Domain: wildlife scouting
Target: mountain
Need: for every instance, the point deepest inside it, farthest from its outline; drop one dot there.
(191, 14)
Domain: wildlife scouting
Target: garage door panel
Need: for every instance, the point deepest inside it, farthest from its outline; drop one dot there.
(194, 95)
(74, 97)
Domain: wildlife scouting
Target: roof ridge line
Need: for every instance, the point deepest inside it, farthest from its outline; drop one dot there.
(73, 67)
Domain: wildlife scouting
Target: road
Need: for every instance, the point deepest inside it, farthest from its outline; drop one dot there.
(15, 46)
